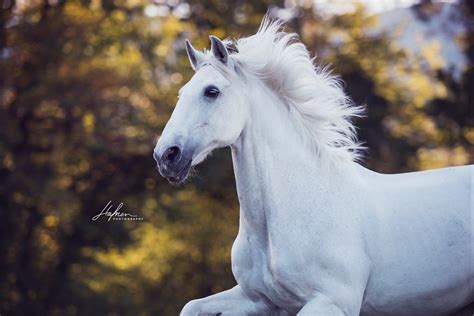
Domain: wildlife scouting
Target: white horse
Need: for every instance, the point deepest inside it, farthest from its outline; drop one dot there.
(319, 234)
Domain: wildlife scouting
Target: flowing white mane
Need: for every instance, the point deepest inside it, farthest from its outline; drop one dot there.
(315, 97)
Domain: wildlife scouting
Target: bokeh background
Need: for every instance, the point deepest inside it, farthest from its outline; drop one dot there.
(86, 86)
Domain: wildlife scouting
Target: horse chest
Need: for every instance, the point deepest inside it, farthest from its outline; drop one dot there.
(261, 272)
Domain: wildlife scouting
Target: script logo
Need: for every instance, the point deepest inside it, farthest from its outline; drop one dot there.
(116, 215)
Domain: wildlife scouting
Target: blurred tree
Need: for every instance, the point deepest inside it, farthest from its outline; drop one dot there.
(398, 90)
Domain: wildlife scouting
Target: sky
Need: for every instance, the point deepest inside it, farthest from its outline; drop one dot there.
(374, 6)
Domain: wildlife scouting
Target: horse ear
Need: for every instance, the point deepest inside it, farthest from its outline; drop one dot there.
(194, 55)
(218, 49)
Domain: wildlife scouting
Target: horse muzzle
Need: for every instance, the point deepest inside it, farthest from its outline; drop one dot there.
(173, 163)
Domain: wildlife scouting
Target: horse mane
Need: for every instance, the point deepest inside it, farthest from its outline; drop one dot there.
(315, 97)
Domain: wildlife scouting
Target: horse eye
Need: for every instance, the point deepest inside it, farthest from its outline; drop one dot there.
(211, 92)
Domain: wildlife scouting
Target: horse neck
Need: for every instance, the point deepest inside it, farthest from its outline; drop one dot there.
(265, 157)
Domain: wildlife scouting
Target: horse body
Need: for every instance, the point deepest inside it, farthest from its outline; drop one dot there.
(319, 234)
(421, 242)
(389, 244)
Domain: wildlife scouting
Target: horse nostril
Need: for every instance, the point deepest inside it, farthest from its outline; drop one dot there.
(171, 155)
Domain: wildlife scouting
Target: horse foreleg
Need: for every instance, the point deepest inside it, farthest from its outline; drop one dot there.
(230, 302)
